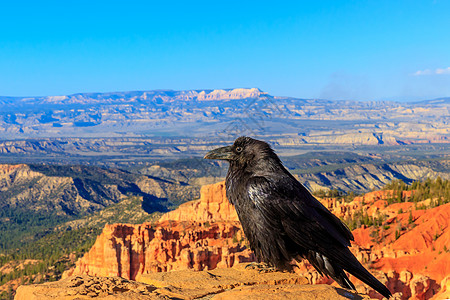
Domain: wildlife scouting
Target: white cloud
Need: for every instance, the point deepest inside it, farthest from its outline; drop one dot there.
(432, 72)
(424, 72)
(443, 71)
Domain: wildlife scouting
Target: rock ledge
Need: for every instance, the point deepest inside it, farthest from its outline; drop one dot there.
(238, 282)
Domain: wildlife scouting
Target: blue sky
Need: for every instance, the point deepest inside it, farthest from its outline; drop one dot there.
(366, 50)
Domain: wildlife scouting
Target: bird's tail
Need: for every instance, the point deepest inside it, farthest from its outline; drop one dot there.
(356, 269)
(325, 267)
(334, 270)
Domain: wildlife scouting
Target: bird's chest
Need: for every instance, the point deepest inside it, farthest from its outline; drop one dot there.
(236, 189)
(264, 237)
(248, 213)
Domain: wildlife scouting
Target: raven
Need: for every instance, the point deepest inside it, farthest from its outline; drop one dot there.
(282, 220)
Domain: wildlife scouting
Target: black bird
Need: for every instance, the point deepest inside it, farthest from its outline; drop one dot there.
(282, 220)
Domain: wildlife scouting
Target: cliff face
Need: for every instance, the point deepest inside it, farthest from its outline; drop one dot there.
(132, 250)
(365, 177)
(212, 206)
(79, 190)
(409, 253)
(23, 188)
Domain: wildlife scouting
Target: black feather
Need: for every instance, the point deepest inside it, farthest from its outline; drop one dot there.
(282, 220)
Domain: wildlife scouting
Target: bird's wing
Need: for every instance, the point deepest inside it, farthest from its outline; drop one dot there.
(288, 206)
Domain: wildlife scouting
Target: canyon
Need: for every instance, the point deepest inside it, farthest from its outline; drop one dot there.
(409, 253)
(74, 191)
(73, 166)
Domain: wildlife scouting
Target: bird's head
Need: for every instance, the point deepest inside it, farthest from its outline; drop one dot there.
(244, 151)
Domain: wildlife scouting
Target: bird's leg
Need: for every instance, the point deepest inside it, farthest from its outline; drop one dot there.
(261, 267)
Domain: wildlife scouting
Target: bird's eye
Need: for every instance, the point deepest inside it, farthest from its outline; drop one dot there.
(238, 149)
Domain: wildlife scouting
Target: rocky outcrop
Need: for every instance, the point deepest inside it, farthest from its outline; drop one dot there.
(132, 250)
(201, 234)
(212, 206)
(15, 174)
(87, 287)
(238, 282)
(229, 94)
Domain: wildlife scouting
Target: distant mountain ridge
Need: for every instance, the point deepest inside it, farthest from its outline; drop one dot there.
(224, 114)
(201, 95)
(433, 101)
(174, 95)
(135, 96)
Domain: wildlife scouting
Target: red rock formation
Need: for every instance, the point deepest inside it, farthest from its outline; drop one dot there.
(414, 261)
(212, 206)
(411, 253)
(201, 234)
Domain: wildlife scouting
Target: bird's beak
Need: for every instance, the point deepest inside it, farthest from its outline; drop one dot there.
(222, 153)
